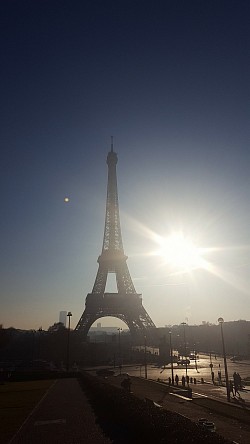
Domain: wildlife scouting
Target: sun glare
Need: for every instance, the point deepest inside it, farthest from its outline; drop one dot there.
(180, 252)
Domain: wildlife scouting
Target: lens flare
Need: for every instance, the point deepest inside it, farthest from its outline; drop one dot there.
(180, 252)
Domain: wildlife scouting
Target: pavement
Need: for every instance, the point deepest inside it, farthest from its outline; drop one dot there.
(231, 421)
(63, 415)
(219, 392)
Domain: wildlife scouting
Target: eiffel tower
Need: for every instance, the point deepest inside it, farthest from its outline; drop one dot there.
(126, 304)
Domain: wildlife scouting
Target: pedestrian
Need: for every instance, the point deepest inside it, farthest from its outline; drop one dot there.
(239, 381)
(194, 380)
(177, 379)
(187, 378)
(212, 375)
(126, 384)
(183, 380)
(219, 377)
(236, 383)
(169, 381)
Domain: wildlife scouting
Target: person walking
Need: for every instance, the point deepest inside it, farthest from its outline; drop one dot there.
(236, 383)
(219, 377)
(212, 376)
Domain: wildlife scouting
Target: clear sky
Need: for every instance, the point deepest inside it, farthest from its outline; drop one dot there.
(170, 81)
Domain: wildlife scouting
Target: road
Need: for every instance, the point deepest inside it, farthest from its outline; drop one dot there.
(201, 370)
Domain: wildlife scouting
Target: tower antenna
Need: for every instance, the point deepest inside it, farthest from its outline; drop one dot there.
(112, 145)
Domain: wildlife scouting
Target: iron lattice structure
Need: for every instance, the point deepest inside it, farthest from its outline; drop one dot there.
(126, 304)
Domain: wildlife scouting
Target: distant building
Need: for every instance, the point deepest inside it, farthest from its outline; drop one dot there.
(99, 329)
(63, 317)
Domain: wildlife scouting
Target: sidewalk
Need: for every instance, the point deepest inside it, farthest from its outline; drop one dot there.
(200, 407)
(219, 392)
(64, 415)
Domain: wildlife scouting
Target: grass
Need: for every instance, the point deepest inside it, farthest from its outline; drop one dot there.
(17, 400)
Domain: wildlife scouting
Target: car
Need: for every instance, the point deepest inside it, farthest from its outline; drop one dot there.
(236, 358)
(209, 425)
(206, 424)
(183, 362)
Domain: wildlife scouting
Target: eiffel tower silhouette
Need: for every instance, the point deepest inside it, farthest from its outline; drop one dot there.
(126, 304)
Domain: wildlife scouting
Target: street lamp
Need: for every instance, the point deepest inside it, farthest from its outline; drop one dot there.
(171, 356)
(195, 358)
(221, 321)
(69, 316)
(185, 344)
(33, 347)
(119, 343)
(145, 357)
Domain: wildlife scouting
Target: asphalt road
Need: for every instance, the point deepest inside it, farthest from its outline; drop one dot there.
(202, 370)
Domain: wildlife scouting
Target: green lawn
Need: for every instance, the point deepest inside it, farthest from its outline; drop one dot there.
(17, 400)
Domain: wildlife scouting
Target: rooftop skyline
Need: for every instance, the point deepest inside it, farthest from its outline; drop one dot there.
(170, 81)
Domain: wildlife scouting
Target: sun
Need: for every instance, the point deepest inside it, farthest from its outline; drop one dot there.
(180, 252)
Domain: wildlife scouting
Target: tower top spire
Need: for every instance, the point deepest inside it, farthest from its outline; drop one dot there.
(112, 156)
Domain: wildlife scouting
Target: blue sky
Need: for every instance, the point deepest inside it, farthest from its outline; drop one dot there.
(170, 81)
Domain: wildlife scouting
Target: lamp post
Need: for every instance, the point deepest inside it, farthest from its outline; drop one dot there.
(69, 316)
(211, 365)
(221, 321)
(185, 344)
(39, 342)
(145, 357)
(171, 356)
(119, 344)
(195, 358)
(33, 347)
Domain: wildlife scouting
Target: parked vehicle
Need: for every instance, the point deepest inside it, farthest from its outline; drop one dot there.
(183, 362)
(206, 424)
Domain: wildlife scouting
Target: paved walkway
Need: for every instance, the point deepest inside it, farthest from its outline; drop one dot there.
(64, 415)
(229, 427)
